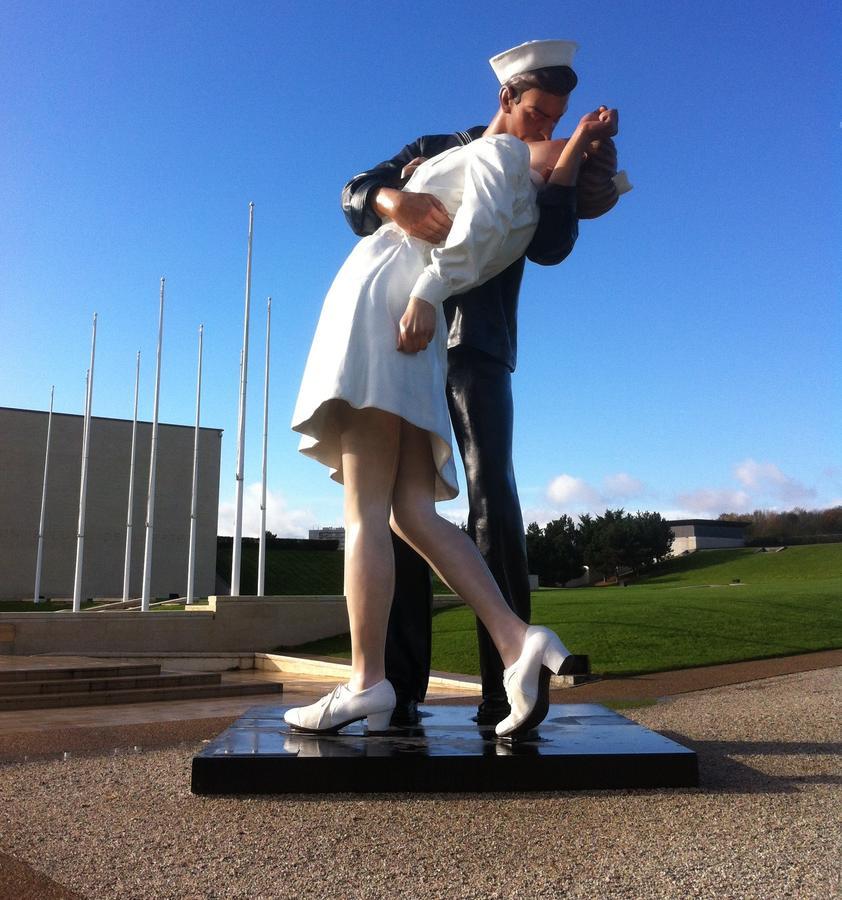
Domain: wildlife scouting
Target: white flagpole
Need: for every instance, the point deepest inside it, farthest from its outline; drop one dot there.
(83, 487)
(43, 503)
(261, 560)
(153, 464)
(191, 560)
(127, 568)
(236, 549)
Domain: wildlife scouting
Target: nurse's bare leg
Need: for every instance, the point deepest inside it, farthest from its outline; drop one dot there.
(370, 449)
(448, 549)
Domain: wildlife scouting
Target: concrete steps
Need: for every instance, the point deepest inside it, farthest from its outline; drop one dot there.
(119, 683)
(51, 687)
(62, 673)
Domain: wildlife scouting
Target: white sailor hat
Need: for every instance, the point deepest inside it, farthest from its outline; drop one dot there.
(532, 55)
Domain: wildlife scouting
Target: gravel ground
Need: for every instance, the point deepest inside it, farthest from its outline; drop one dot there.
(765, 822)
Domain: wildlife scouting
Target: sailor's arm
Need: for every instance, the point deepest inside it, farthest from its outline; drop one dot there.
(375, 195)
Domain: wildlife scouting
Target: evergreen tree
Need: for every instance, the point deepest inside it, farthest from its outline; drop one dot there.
(555, 552)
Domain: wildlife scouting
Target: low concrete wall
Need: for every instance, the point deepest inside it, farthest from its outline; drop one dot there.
(226, 624)
(325, 667)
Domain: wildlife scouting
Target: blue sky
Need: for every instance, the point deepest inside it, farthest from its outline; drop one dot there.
(685, 358)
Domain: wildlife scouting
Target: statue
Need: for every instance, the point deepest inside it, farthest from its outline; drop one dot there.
(373, 404)
(536, 79)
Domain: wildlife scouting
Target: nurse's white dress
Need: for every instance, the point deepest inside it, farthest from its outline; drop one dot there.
(487, 189)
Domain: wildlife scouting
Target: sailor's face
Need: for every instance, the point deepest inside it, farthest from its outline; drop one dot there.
(537, 114)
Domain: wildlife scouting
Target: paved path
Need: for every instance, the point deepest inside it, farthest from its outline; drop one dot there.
(682, 681)
(115, 819)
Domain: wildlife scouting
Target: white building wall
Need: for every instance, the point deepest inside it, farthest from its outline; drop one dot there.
(683, 545)
(22, 445)
(687, 544)
(328, 534)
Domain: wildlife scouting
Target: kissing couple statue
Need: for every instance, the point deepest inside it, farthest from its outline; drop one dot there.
(417, 332)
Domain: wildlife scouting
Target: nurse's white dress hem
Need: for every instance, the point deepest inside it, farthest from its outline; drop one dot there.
(488, 191)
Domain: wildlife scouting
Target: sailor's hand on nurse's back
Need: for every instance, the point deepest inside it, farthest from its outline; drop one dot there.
(419, 215)
(417, 326)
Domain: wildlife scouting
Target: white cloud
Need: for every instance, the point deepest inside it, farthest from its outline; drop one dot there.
(569, 491)
(752, 474)
(539, 514)
(710, 502)
(759, 485)
(622, 486)
(767, 479)
(762, 485)
(574, 496)
(457, 514)
(280, 519)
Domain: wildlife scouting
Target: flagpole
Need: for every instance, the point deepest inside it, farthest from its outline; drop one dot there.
(127, 569)
(191, 560)
(38, 555)
(153, 464)
(236, 550)
(83, 487)
(261, 560)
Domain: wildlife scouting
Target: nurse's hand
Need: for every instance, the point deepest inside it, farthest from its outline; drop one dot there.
(411, 166)
(601, 123)
(417, 326)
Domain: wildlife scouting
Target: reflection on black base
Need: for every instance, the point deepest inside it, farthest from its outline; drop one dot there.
(579, 746)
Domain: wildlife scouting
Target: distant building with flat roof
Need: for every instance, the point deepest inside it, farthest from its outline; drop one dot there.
(23, 441)
(333, 533)
(706, 534)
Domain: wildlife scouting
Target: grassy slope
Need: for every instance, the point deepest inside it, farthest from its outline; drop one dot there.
(43, 606)
(291, 571)
(811, 563)
(287, 571)
(686, 614)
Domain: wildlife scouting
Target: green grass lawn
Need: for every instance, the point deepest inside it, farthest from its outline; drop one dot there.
(810, 562)
(43, 606)
(687, 614)
(287, 571)
(290, 571)
(51, 606)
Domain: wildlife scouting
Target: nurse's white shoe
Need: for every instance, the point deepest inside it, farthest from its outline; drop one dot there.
(342, 706)
(527, 680)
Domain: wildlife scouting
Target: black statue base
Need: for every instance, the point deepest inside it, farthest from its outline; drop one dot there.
(579, 746)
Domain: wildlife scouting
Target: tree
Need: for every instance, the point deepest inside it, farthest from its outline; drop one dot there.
(830, 520)
(606, 541)
(616, 541)
(536, 551)
(780, 527)
(654, 539)
(554, 551)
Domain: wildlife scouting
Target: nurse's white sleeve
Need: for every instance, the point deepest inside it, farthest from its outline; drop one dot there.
(472, 252)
